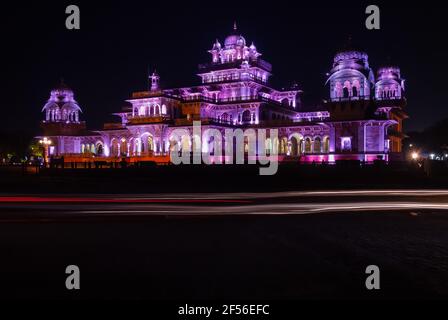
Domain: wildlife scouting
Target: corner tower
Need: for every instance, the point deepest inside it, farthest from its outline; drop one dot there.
(351, 77)
(62, 113)
(61, 106)
(390, 103)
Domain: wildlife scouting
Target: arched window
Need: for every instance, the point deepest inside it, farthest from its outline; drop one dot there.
(338, 90)
(355, 88)
(225, 117)
(246, 116)
(156, 109)
(346, 93)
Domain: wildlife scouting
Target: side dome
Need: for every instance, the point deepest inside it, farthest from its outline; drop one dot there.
(62, 106)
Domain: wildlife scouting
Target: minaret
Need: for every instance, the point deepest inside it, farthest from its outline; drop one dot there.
(154, 81)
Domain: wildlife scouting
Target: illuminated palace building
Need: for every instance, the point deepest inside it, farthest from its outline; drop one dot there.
(360, 120)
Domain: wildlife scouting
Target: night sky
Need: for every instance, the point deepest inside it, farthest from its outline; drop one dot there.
(120, 41)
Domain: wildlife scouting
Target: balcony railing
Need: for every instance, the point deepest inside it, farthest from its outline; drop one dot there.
(260, 63)
(113, 125)
(364, 98)
(235, 77)
(230, 100)
(147, 119)
(146, 94)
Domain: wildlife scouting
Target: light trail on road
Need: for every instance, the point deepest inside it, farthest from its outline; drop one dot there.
(214, 204)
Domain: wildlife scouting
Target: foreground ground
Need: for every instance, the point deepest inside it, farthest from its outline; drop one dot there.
(272, 246)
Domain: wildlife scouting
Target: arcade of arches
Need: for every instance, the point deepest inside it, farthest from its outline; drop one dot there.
(295, 146)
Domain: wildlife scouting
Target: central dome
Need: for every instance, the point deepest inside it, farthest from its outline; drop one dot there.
(235, 40)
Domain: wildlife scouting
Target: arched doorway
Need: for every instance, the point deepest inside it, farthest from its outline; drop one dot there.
(283, 148)
(268, 146)
(196, 144)
(99, 149)
(185, 144)
(326, 145)
(308, 145)
(114, 148)
(294, 146)
(317, 145)
(123, 147)
(150, 144)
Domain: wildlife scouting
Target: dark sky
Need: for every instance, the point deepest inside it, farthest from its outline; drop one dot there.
(119, 40)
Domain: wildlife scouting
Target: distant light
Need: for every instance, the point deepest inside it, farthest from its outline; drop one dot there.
(411, 145)
(414, 155)
(432, 155)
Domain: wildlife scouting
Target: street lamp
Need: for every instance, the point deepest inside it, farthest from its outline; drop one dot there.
(45, 144)
(414, 155)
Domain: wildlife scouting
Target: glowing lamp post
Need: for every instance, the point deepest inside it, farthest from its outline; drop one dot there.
(45, 144)
(414, 156)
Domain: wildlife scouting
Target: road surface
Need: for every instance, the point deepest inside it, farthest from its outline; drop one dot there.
(287, 245)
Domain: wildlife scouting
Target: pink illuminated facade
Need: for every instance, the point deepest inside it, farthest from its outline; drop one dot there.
(361, 120)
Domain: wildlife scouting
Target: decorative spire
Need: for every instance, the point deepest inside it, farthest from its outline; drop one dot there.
(234, 26)
(348, 45)
(154, 81)
(62, 85)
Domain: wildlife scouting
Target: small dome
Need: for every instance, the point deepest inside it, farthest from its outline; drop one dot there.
(62, 96)
(253, 47)
(350, 55)
(241, 42)
(351, 52)
(216, 45)
(389, 72)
